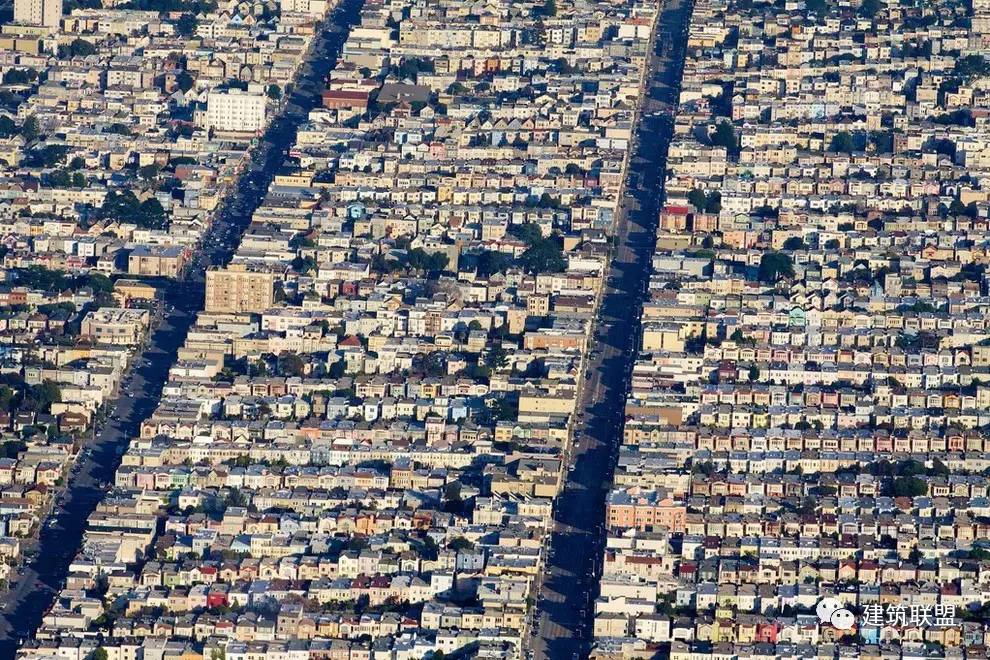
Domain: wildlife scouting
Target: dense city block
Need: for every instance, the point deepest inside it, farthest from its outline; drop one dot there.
(807, 413)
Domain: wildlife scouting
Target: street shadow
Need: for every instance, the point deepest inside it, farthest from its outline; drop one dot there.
(572, 571)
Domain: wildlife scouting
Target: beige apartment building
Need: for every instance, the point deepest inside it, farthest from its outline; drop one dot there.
(236, 111)
(239, 288)
(44, 13)
(111, 325)
(157, 261)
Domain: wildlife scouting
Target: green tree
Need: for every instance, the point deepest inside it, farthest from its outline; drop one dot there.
(460, 543)
(49, 155)
(972, 66)
(148, 172)
(794, 243)
(235, 497)
(290, 364)
(99, 283)
(151, 214)
(125, 207)
(70, 5)
(882, 141)
(186, 25)
(706, 468)
(430, 263)
(30, 129)
(59, 179)
(725, 136)
(979, 554)
(544, 256)
(452, 491)
(713, 202)
(6, 397)
(175, 161)
(842, 142)
(869, 8)
(12, 448)
(274, 92)
(78, 48)
(496, 357)
(908, 487)
(490, 262)
(8, 127)
(39, 277)
(527, 232)
(775, 266)
(41, 397)
(18, 77)
(503, 410)
(697, 198)
(939, 468)
(184, 81)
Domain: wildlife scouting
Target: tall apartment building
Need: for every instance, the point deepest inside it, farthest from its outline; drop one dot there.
(235, 110)
(239, 288)
(44, 13)
(310, 7)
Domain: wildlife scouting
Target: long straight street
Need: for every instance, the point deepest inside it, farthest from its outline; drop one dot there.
(563, 620)
(38, 582)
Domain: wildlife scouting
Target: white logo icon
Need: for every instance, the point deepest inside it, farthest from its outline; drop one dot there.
(830, 610)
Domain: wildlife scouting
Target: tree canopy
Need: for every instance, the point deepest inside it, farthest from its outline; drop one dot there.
(972, 66)
(49, 155)
(46, 279)
(489, 262)
(78, 48)
(186, 24)
(184, 81)
(19, 76)
(908, 486)
(870, 8)
(8, 127)
(125, 207)
(290, 364)
(725, 136)
(842, 142)
(710, 202)
(544, 254)
(775, 266)
(30, 129)
(430, 264)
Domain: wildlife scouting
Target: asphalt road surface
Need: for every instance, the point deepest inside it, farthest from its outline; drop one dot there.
(36, 585)
(562, 622)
